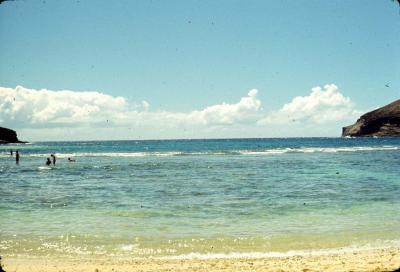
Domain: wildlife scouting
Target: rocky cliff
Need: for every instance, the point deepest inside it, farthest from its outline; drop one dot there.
(384, 121)
(8, 136)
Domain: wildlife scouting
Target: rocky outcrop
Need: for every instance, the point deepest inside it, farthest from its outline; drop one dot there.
(8, 136)
(384, 121)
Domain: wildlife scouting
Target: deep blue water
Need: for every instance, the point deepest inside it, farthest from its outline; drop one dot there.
(172, 197)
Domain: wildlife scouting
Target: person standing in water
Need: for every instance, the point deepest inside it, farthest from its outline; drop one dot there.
(17, 157)
(54, 159)
(11, 152)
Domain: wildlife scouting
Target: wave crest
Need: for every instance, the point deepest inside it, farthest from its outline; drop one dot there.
(255, 152)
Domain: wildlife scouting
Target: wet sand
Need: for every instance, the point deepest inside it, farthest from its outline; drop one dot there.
(377, 260)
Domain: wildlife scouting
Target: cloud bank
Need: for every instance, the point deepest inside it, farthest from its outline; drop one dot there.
(323, 105)
(245, 111)
(57, 111)
(30, 108)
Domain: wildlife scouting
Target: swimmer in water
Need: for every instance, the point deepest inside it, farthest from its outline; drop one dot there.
(71, 160)
(54, 159)
(48, 162)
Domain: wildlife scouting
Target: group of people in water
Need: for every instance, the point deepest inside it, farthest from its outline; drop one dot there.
(48, 161)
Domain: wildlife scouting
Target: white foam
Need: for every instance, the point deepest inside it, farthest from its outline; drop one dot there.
(100, 154)
(44, 168)
(318, 150)
(290, 253)
(128, 247)
(272, 151)
(267, 151)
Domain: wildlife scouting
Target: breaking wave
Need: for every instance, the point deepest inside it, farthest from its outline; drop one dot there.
(256, 152)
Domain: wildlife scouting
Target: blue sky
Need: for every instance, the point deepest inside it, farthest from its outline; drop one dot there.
(183, 56)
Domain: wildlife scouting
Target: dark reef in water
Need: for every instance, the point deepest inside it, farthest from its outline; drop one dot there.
(8, 136)
(384, 121)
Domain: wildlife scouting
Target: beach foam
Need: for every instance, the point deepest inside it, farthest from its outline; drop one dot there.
(261, 152)
(290, 253)
(369, 260)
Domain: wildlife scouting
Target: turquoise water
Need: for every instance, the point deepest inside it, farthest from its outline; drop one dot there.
(179, 197)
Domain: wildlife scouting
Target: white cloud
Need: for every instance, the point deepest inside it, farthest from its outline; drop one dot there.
(246, 110)
(145, 105)
(75, 114)
(28, 107)
(323, 105)
(46, 108)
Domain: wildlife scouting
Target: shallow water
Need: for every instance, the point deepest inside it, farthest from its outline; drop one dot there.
(163, 198)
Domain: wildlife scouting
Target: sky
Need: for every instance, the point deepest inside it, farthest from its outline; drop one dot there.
(108, 70)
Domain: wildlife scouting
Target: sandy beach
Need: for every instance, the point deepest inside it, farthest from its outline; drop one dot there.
(366, 260)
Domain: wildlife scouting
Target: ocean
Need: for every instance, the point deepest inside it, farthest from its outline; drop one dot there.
(203, 198)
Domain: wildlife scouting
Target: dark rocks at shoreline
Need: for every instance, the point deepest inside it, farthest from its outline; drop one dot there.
(381, 122)
(1, 267)
(8, 136)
